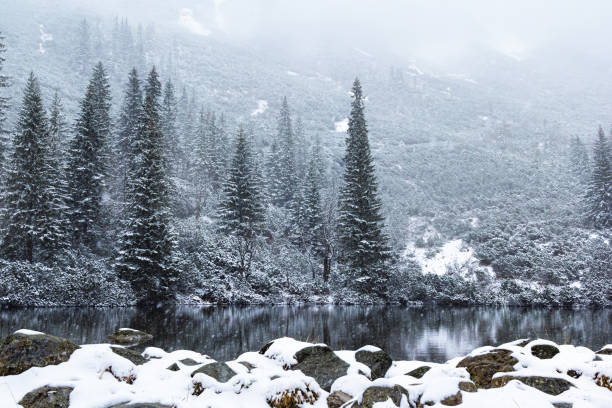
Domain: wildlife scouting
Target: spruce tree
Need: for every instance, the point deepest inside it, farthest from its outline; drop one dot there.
(286, 155)
(32, 223)
(146, 258)
(4, 83)
(169, 127)
(129, 121)
(364, 246)
(83, 51)
(87, 169)
(200, 166)
(241, 211)
(579, 160)
(599, 191)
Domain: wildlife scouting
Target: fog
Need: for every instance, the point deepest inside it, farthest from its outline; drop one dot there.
(438, 31)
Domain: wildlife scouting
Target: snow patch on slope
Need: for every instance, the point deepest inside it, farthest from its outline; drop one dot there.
(362, 52)
(44, 37)
(262, 106)
(291, 73)
(187, 20)
(341, 126)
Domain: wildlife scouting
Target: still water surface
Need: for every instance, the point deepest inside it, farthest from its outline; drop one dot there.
(406, 333)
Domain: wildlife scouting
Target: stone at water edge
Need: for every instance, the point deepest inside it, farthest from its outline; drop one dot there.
(418, 372)
(322, 364)
(219, 371)
(544, 351)
(482, 367)
(378, 361)
(19, 352)
(337, 399)
(375, 394)
(131, 355)
(126, 337)
(47, 397)
(606, 351)
(549, 385)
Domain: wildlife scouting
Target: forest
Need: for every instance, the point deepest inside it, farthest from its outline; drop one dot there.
(131, 180)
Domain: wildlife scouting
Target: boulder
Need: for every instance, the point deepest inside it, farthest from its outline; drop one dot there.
(19, 352)
(482, 367)
(419, 372)
(549, 385)
(47, 397)
(293, 398)
(468, 386)
(217, 370)
(322, 364)
(452, 400)
(375, 394)
(605, 351)
(544, 351)
(173, 367)
(248, 365)
(378, 361)
(126, 337)
(131, 355)
(337, 399)
(563, 404)
(189, 362)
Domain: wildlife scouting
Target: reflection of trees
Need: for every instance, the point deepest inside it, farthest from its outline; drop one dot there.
(431, 333)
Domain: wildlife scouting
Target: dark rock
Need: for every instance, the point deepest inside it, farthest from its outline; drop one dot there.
(574, 373)
(378, 361)
(131, 355)
(452, 400)
(419, 372)
(248, 365)
(524, 342)
(337, 399)
(322, 364)
(130, 337)
(47, 397)
(189, 362)
(597, 358)
(563, 404)
(549, 385)
(544, 351)
(173, 367)
(265, 348)
(376, 394)
(19, 352)
(484, 366)
(219, 371)
(468, 386)
(605, 351)
(293, 398)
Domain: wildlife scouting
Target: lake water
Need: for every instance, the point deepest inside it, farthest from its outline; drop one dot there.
(428, 333)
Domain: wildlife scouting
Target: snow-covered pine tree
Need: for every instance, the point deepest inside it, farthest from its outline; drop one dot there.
(579, 160)
(273, 184)
(214, 161)
(83, 51)
(199, 169)
(286, 154)
(364, 245)
(88, 160)
(32, 225)
(312, 220)
(598, 197)
(129, 120)
(146, 258)
(4, 83)
(186, 120)
(241, 211)
(169, 127)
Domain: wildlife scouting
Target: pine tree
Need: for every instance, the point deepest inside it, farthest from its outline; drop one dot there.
(579, 160)
(200, 177)
(4, 83)
(32, 223)
(146, 257)
(364, 247)
(83, 51)
(87, 169)
(129, 121)
(599, 191)
(169, 127)
(287, 171)
(241, 211)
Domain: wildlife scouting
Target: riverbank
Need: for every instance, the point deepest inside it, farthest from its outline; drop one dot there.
(40, 370)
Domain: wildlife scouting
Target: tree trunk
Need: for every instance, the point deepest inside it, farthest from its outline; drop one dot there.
(326, 268)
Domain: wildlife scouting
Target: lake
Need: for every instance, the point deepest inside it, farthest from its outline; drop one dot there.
(434, 333)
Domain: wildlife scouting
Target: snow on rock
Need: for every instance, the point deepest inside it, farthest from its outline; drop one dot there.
(27, 332)
(98, 377)
(454, 256)
(262, 106)
(341, 126)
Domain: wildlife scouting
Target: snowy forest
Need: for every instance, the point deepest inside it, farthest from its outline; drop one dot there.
(142, 163)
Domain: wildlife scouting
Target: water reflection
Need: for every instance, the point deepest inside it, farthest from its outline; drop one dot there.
(431, 333)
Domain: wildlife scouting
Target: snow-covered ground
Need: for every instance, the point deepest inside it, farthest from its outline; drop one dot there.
(341, 126)
(100, 378)
(453, 257)
(262, 106)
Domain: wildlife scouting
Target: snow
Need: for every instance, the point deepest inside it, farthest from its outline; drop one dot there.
(341, 126)
(262, 106)
(27, 332)
(44, 37)
(454, 256)
(362, 52)
(291, 73)
(97, 376)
